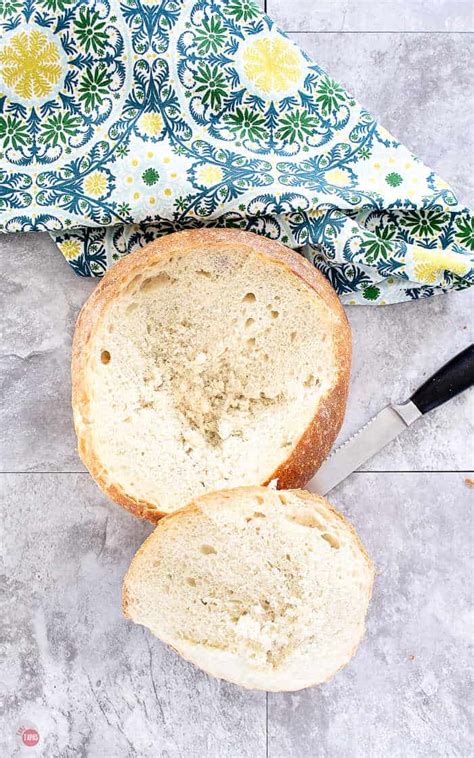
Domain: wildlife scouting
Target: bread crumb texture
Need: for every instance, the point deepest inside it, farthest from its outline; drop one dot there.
(268, 589)
(203, 372)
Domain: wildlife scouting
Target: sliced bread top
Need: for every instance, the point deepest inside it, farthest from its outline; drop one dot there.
(268, 589)
(208, 359)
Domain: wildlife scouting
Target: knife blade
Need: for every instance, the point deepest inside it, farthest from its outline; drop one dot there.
(454, 377)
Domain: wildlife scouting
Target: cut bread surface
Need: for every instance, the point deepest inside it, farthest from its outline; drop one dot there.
(267, 589)
(202, 364)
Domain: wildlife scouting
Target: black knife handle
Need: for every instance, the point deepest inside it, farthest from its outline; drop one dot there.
(454, 377)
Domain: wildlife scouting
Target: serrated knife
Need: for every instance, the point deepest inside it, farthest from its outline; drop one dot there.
(454, 377)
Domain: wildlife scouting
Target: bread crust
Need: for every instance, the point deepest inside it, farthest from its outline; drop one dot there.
(195, 507)
(314, 444)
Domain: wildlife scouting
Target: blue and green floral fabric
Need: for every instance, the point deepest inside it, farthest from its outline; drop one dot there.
(123, 121)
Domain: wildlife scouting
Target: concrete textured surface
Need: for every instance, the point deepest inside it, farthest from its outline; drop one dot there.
(95, 685)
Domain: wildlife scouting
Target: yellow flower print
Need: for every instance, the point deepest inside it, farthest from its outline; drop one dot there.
(70, 249)
(30, 64)
(151, 124)
(209, 174)
(95, 185)
(430, 263)
(338, 177)
(272, 64)
(317, 212)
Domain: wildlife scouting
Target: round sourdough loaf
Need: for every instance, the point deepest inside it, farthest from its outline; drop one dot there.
(207, 359)
(267, 589)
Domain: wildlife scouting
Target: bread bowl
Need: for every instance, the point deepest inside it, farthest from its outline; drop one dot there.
(207, 359)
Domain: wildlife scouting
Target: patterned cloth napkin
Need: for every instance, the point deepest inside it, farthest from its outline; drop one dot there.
(123, 121)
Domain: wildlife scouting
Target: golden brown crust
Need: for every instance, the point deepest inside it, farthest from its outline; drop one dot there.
(317, 440)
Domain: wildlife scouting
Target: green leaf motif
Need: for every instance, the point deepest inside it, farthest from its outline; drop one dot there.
(379, 244)
(371, 292)
(424, 222)
(211, 36)
(246, 123)
(94, 85)
(58, 127)
(465, 232)
(393, 179)
(330, 95)
(124, 209)
(90, 30)
(150, 176)
(9, 7)
(56, 5)
(296, 125)
(13, 132)
(243, 10)
(212, 85)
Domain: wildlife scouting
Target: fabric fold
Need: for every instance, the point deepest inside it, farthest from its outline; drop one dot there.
(140, 119)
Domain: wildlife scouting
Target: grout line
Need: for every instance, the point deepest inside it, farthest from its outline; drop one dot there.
(368, 31)
(360, 471)
(408, 471)
(266, 725)
(44, 472)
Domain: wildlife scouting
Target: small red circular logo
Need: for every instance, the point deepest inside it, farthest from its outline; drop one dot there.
(30, 737)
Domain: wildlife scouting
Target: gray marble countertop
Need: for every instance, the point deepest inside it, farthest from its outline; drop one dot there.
(95, 685)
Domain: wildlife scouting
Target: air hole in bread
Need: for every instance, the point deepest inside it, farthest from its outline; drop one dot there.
(293, 336)
(251, 342)
(250, 322)
(208, 550)
(105, 356)
(305, 519)
(309, 381)
(191, 581)
(259, 514)
(156, 282)
(275, 314)
(134, 283)
(205, 274)
(332, 540)
(130, 309)
(249, 298)
(260, 499)
(283, 499)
